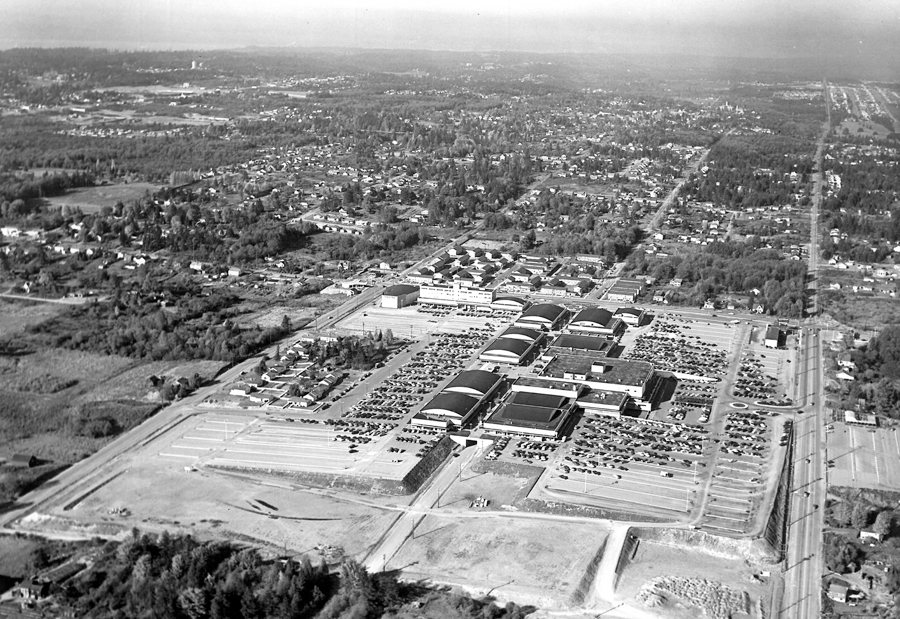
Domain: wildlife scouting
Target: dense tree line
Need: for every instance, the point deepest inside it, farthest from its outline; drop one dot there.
(878, 373)
(381, 242)
(28, 187)
(193, 325)
(351, 352)
(179, 577)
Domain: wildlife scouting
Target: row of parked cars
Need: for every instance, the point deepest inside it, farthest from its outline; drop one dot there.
(606, 442)
(679, 353)
(752, 382)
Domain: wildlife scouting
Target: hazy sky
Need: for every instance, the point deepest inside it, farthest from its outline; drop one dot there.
(753, 28)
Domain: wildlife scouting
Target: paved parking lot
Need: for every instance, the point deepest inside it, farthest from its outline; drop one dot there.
(745, 468)
(683, 346)
(864, 458)
(306, 445)
(366, 431)
(629, 462)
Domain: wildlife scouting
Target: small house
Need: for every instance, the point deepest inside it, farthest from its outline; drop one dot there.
(33, 589)
(839, 590)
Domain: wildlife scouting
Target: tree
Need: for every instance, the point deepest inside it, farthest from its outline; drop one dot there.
(844, 513)
(840, 553)
(860, 517)
(882, 526)
(528, 240)
(261, 367)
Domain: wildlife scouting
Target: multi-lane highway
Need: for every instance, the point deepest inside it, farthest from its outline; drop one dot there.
(804, 562)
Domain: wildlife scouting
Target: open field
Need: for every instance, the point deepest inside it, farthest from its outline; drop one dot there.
(92, 199)
(15, 555)
(51, 399)
(16, 316)
(865, 129)
(864, 458)
(498, 556)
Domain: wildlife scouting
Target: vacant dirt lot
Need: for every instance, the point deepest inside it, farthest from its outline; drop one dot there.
(656, 559)
(538, 562)
(159, 494)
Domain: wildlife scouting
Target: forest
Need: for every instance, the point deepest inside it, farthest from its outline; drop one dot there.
(165, 576)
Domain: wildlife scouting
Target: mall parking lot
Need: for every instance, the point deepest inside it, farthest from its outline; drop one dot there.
(631, 461)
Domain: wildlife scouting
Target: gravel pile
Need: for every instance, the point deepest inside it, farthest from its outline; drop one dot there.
(713, 598)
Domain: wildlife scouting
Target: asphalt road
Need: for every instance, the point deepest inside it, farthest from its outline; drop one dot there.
(405, 526)
(805, 563)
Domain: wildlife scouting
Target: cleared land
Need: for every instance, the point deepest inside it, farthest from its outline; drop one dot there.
(159, 494)
(498, 556)
(665, 558)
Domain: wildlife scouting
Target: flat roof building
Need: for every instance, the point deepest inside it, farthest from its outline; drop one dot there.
(601, 373)
(526, 414)
(398, 296)
(773, 337)
(625, 290)
(455, 294)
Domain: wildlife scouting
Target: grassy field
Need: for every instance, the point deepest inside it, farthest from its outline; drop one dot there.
(300, 311)
(16, 316)
(15, 555)
(866, 129)
(92, 199)
(62, 405)
(47, 397)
